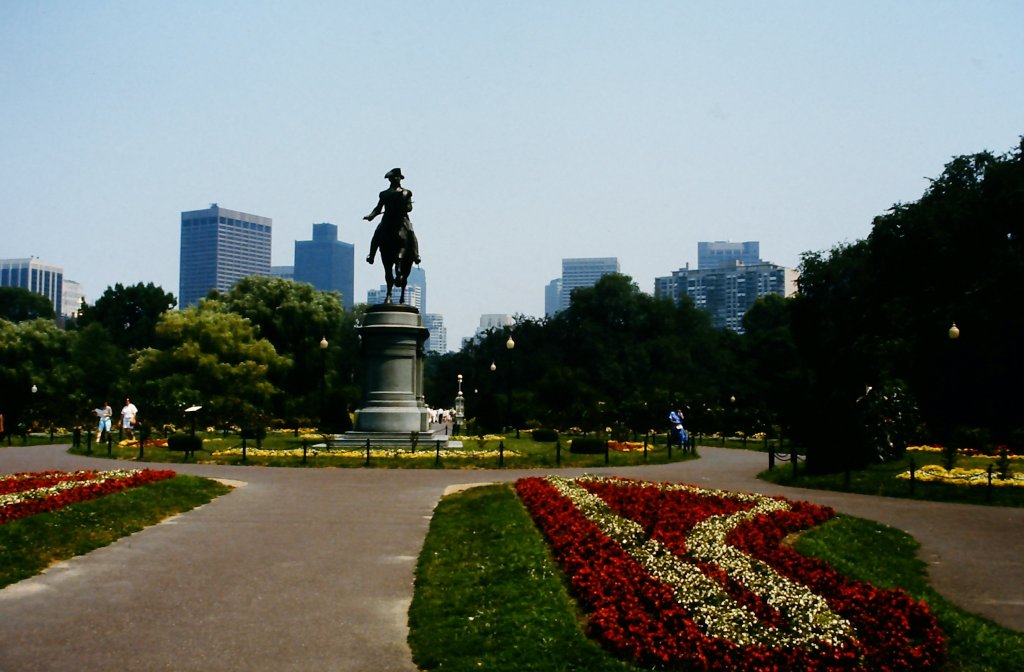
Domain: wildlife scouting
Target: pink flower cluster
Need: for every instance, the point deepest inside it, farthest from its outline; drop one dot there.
(26, 494)
(683, 577)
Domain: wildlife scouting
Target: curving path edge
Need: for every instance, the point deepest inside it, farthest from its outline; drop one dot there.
(313, 569)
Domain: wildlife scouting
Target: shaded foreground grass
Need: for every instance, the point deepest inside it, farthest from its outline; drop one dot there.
(30, 545)
(489, 597)
(880, 479)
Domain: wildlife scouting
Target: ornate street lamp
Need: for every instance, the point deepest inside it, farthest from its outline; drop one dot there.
(510, 346)
(954, 332)
(460, 407)
(323, 380)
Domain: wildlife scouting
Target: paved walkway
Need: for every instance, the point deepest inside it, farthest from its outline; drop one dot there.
(313, 569)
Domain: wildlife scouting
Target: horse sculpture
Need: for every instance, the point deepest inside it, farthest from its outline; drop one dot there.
(394, 236)
(396, 251)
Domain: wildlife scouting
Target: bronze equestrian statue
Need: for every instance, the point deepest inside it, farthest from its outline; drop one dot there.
(399, 249)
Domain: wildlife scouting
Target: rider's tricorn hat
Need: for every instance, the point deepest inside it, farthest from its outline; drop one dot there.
(394, 172)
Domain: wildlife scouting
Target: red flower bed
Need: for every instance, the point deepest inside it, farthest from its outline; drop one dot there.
(25, 494)
(682, 577)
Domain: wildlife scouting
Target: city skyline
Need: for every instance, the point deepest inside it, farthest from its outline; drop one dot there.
(528, 133)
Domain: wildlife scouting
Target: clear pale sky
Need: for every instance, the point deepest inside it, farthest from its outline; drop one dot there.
(528, 131)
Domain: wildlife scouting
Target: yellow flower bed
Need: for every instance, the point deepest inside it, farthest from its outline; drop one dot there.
(378, 453)
(934, 473)
(969, 452)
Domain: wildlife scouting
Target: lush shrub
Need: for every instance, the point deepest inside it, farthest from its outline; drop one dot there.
(590, 445)
(259, 433)
(545, 435)
(186, 443)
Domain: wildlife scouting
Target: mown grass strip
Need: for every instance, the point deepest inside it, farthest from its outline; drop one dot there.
(30, 545)
(886, 557)
(488, 595)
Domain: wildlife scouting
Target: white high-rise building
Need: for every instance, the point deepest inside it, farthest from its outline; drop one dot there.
(438, 341)
(36, 276)
(725, 285)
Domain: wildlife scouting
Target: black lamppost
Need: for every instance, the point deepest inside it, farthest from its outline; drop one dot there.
(494, 394)
(35, 390)
(323, 380)
(460, 409)
(510, 346)
(954, 334)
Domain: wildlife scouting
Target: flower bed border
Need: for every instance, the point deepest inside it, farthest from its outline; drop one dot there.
(27, 493)
(622, 543)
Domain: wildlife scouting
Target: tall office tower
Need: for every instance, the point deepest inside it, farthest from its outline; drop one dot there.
(552, 297)
(728, 291)
(722, 252)
(327, 263)
(418, 278)
(583, 273)
(36, 276)
(219, 247)
(413, 296)
(438, 341)
(415, 291)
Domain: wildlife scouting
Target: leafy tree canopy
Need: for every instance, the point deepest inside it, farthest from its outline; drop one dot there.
(209, 357)
(20, 305)
(129, 314)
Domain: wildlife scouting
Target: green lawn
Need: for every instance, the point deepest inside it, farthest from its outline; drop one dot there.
(489, 597)
(30, 545)
(880, 479)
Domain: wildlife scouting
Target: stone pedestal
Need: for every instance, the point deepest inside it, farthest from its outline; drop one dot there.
(392, 357)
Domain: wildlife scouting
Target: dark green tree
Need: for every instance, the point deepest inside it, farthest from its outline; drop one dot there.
(207, 356)
(35, 354)
(129, 314)
(775, 380)
(876, 314)
(295, 318)
(20, 305)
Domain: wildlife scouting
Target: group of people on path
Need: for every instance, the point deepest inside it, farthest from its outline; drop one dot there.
(129, 415)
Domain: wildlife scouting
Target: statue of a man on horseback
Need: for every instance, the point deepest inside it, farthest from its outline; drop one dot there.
(394, 236)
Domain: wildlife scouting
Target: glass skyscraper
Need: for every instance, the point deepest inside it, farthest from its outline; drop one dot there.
(326, 262)
(219, 247)
(723, 253)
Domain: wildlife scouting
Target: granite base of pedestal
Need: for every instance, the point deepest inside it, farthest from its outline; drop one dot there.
(393, 411)
(404, 440)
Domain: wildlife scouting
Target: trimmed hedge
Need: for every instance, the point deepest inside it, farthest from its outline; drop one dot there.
(186, 443)
(589, 445)
(545, 435)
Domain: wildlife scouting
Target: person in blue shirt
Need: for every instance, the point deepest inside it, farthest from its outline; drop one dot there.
(677, 433)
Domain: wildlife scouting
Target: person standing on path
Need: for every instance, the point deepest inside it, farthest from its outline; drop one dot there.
(128, 414)
(677, 434)
(104, 414)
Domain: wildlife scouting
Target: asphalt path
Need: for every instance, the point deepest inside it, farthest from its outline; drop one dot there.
(312, 569)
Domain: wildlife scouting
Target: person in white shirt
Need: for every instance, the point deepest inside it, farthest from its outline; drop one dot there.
(128, 414)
